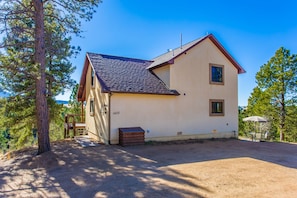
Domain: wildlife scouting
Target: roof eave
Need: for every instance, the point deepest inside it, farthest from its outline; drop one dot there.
(82, 83)
(227, 54)
(217, 44)
(171, 61)
(174, 92)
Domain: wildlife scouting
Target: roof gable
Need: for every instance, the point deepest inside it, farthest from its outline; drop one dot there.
(128, 75)
(169, 57)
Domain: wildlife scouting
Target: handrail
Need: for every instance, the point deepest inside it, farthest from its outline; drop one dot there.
(76, 117)
(71, 124)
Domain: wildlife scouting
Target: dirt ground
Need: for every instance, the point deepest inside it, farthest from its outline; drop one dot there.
(208, 168)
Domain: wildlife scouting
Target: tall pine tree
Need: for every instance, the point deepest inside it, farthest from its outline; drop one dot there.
(37, 50)
(277, 80)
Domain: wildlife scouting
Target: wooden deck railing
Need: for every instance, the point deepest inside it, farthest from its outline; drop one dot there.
(73, 122)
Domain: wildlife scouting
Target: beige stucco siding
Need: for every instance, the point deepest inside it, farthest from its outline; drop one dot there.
(190, 76)
(97, 124)
(163, 119)
(151, 112)
(164, 74)
(187, 115)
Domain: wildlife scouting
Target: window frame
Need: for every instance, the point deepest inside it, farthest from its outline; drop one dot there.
(92, 107)
(211, 65)
(92, 78)
(211, 112)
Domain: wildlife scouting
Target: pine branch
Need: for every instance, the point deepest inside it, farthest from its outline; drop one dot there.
(6, 45)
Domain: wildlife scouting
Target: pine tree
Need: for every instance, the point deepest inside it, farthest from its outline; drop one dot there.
(36, 48)
(278, 80)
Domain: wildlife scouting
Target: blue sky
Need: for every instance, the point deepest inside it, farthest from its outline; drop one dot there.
(250, 30)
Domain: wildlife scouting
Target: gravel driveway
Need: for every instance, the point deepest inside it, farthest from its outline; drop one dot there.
(208, 168)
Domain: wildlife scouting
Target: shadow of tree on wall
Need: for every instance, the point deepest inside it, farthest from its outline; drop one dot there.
(104, 171)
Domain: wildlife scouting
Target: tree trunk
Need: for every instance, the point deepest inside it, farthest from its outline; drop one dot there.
(41, 102)
(282, 119)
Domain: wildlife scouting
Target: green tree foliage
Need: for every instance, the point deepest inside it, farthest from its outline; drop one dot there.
(275, 94)
(259, 103)
(74, 104)
(35, 64)
(291, 123)
(73, 107)
(4, 132)
(241, 125)
(19, 119)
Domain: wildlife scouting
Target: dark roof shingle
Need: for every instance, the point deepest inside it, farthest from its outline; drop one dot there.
(127, 75)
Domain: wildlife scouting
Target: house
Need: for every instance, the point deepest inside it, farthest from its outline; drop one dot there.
(189, 92)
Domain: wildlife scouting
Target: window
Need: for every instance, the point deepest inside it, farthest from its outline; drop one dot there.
(92, 107)
(92, 78)
(216, 74)
(216, 107)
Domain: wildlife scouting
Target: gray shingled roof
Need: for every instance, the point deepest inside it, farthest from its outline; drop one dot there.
(127, 75)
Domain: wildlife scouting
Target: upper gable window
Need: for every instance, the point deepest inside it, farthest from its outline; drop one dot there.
(92, 78)
(216, 74)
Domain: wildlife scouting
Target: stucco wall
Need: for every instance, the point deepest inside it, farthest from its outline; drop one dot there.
(187, 115)
(97, 124)
(164, 74)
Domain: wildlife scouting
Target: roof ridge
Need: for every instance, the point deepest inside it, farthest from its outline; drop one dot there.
(188, 43)
(121, 57)
(167, 57)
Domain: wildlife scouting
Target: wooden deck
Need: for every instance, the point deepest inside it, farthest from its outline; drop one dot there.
(73, 122)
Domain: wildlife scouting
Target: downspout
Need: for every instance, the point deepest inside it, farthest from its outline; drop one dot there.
(109, 111)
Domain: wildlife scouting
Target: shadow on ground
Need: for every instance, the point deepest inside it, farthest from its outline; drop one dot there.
(104, 171)
(204, 150)
(113, 171)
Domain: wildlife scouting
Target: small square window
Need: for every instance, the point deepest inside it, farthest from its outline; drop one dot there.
(216, 74)
(92, 107)
(216, 107)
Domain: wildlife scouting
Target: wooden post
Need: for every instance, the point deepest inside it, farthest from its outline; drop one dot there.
(82, 112)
